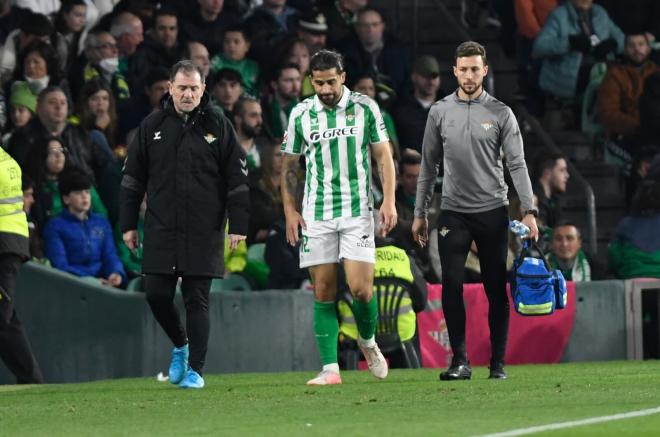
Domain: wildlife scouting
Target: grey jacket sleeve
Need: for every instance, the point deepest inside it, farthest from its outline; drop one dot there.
(512, 145)
(431, 160)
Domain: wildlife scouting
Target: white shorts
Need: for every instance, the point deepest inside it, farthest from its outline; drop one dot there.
(329, 241)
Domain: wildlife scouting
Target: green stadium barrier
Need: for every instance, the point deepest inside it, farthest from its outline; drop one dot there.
(599, 331)
(81, 331)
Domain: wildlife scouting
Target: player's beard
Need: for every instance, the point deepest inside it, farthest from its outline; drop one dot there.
(329, 99)
(474, 90)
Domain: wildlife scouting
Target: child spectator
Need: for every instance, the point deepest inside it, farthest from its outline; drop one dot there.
(226, 90)
(22, 106)
(236, 44)
(79, 241)
(48, 165)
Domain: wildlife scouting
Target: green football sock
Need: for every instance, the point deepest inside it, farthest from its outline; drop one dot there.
(366, 317)
(326, 330)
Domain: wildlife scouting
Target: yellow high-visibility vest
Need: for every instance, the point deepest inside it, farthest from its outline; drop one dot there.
(391, 261)
(12, 216)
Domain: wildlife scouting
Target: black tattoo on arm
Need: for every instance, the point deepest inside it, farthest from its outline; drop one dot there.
(291, 167)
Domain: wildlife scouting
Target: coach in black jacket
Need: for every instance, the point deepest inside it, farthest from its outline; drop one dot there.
(186, 158)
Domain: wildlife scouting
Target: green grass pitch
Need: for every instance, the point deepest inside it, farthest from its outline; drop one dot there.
(408, 402)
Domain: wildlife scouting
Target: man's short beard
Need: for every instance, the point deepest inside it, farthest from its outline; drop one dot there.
(251, 131)
(469, 93)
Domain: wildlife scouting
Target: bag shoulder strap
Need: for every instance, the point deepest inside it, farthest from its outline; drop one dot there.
(531, 244)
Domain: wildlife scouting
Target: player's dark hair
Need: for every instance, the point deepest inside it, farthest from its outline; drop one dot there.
(470, 48)
(326, 60)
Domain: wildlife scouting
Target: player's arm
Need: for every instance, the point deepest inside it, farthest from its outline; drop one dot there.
(289, 183)
(512, 145)
(382, 153)
(432, 156)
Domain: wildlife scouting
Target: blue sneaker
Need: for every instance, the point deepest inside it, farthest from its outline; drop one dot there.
(179, 364)
(192, 380)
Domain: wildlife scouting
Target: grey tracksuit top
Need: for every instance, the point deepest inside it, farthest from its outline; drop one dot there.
(468, 138)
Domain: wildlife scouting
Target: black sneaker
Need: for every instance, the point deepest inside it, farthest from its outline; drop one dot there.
(457, 371)
(497, 371)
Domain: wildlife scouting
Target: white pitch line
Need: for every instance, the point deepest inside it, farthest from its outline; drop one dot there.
(574, 423)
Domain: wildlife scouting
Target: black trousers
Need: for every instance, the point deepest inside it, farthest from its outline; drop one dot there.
(489, 231)
(160, 291)
(15, 350)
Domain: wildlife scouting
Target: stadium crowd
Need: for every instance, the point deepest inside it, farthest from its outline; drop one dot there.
(78, 76)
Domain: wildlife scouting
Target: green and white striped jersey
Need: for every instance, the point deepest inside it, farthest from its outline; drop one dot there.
(336, 147)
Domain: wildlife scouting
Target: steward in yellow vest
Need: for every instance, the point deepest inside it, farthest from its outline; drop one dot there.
(14, 250)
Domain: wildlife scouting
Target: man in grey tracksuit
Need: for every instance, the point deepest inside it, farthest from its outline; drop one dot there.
(467, 132)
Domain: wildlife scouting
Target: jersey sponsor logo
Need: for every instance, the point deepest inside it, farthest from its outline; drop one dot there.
(157, 136)
(444, 231)
(336, 132)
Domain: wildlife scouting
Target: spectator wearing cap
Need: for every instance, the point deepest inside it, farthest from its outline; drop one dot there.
(79, 241)
(341, 16)
(207, 23)
(227, 88)
(312, 28)
(376, 52)
(22, 106)
(235, 46)
(33, 27)
(11, 17)
(410, 114)
(284, 95)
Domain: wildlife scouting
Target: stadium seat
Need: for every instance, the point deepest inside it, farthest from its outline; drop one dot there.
(389, 291)
(135, 284)
(232, 282)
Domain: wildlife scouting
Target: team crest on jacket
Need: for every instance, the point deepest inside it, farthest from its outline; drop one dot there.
(487, 125)
(210, 138)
